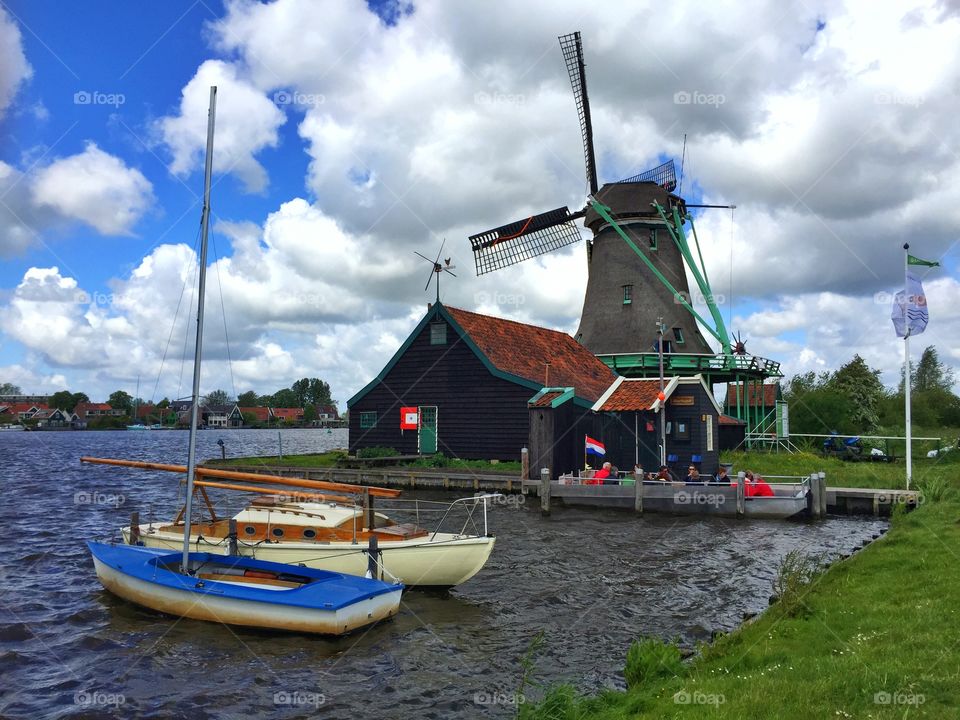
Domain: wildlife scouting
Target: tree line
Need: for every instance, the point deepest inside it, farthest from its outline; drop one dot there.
(852, 399)
(305, 393)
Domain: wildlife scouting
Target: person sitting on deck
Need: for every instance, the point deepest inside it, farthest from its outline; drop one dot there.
(664, 475)
(613, 478)
(693, 475)
(722, 477)
(760, 488)
(600, 475)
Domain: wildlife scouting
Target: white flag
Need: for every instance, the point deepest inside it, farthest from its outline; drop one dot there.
(910, 308)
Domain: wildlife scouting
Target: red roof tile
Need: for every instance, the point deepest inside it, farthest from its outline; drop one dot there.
(262, 414)
(524, 350)
(633, 395)
(288, 413)
(769, 395)
(728, 420)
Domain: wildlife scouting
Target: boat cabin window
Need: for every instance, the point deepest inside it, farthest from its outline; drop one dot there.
(309, 533)
(250, 530)
(627, 294)
(368, 420)
(277, 532)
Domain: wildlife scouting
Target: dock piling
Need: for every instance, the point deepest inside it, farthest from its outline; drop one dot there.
(638, 491)
(823, 493)
(741, 494)
(545, 491)
(814, 496)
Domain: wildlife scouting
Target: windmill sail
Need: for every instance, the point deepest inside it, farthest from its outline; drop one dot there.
(664, 175)
(573, 55)
(524, 239)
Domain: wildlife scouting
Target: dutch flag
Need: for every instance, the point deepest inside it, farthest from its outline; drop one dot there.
(595, 446)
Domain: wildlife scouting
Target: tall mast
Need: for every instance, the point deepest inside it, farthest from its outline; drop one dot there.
(195, 409)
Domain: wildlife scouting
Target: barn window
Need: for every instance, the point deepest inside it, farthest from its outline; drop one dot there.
(678, 335)
(653, 238)
(627, 294)
(438, 333)
(368, 420)
(683, 430)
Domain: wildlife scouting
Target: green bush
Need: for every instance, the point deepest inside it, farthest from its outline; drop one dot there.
(377, 452)
(650, 658)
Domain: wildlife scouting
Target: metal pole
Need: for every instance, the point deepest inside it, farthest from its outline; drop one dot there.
(663, 403)
(906, 372)
(195, 410)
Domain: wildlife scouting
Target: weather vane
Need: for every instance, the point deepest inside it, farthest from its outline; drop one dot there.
(437, 268)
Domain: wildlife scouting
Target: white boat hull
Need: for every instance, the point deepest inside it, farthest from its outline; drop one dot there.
(232, 611)
(444, 561)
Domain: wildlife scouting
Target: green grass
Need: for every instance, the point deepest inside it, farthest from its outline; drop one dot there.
(334, 458)
(319, 460)
(883, 625)
(838, 472)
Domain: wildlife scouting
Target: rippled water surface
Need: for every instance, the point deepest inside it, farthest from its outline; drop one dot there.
(591, 580)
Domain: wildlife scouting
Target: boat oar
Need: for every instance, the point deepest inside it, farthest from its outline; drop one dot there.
(250, 477)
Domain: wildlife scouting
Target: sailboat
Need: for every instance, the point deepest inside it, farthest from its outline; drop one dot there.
(228, 588)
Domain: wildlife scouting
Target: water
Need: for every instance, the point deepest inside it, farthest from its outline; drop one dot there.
(591, 580)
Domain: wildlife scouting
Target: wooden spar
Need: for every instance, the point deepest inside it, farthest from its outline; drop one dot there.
(250, 477)
(262, 491)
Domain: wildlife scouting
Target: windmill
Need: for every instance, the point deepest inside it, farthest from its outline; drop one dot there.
(437, 268)
(637, 256)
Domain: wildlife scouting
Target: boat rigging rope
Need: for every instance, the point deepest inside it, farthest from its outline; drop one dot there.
(223, 313)
(173, 326)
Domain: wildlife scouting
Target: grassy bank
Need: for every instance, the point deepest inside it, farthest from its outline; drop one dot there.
(875, 636)
(338, 458)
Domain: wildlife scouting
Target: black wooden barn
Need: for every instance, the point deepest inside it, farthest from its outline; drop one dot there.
(626, 420)
(460, 384)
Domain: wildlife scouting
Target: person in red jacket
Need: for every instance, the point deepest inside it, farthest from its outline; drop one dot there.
(600, 475)
(761, 488)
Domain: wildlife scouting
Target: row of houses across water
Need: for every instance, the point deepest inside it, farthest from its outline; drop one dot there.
(176, 414)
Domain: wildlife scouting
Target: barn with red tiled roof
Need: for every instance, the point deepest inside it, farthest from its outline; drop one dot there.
(468, 377)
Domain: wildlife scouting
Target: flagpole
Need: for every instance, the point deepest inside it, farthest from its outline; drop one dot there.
(906, 365)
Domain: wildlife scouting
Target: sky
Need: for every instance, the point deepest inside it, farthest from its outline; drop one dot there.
(350, 135)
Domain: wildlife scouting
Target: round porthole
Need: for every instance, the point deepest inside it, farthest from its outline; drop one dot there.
(250, 530)
(309, 533)
(277, 532)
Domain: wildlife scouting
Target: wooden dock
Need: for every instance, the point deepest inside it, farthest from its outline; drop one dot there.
(839, 500)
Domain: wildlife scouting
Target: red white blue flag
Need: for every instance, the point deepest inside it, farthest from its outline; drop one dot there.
(595, 446)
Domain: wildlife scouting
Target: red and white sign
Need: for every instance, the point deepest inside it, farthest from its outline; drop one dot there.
(409, 418)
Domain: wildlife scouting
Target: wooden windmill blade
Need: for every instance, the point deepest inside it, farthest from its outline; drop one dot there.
(524, 239)
(572, 48)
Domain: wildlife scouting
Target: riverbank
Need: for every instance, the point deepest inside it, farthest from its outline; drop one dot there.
(875, 636)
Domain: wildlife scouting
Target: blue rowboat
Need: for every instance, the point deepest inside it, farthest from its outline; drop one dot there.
(237, 590)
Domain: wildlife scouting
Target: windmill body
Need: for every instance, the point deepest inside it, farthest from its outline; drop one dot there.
(624, 298)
